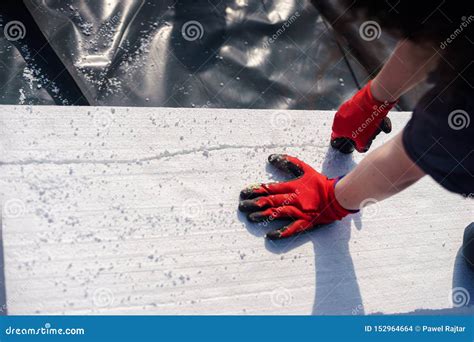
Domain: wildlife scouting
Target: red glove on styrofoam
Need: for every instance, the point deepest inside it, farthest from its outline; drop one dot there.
(308, 200)
(359, 120)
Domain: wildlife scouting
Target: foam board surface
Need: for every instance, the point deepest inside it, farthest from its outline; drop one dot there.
(134, 211)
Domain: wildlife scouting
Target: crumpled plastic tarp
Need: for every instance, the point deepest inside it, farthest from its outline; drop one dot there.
(187, 53)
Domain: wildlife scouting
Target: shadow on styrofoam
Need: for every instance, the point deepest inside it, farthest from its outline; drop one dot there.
(336, 287)
(462, 295)
(337, 290)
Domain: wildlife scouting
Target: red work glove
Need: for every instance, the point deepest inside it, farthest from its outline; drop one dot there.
(308, 200)
(359, 120)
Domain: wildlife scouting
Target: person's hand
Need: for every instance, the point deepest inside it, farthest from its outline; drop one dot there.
(308, 200)
(359, 120)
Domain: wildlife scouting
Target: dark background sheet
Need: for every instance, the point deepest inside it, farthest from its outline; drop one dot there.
(246, 54)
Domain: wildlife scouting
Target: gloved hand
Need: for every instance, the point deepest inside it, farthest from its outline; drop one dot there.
(359, 120)
(308, 200)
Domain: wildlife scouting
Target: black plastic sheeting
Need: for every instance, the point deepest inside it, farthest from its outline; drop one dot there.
(195, 53)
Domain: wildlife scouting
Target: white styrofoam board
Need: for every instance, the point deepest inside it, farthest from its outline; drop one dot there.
(133, 211)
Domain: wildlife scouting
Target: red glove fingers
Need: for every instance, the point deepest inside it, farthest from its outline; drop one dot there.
(285, 212)
(266, 189)
(359, 120)
(308, 200)
(269, 201)
(290, 165)
(289, 230)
